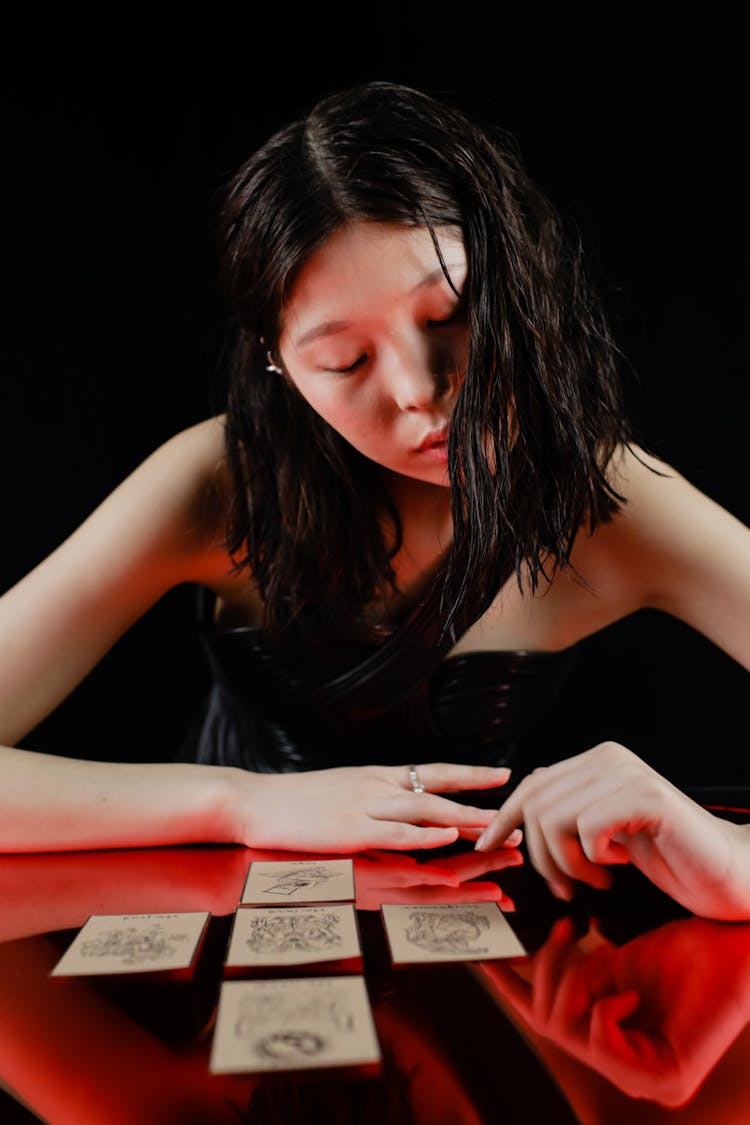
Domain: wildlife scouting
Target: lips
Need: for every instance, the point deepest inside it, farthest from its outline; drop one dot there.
(434, 439)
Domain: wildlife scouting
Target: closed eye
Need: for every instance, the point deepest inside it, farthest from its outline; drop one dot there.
(456, 315)
(347, 370)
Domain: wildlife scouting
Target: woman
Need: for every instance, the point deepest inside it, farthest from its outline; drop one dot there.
(424, 456)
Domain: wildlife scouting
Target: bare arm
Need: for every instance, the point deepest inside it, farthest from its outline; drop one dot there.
(161, 527)
(53, 803)
(675, 549)
(152, 533)
(672, 548)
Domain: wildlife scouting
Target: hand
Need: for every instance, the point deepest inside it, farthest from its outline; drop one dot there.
(639, 1013)
(350, 809)
(606, 806)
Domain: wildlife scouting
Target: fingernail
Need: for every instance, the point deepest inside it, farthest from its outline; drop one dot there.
(480, 842)
(502, 771)
(560, 891)
(515, 838)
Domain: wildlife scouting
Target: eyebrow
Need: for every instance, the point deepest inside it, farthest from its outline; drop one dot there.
(331, 327)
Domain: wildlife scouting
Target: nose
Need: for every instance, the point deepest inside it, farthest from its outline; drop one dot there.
(419, 379)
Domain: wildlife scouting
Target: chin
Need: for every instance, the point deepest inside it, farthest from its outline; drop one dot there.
(435, 475)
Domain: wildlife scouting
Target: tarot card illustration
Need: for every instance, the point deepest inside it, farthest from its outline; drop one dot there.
(294, 935)
(300, 881)
(448, 932)
(133, 943)
(293, 1024)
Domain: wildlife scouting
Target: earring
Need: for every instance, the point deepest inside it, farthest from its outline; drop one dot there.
(271, 364)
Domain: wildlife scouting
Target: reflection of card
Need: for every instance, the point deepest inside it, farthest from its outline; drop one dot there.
(451, 931)
(299, 881)
(133, 943)
(296, 935)
(264, 1025)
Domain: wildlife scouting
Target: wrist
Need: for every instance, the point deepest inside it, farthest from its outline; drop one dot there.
(237, 794)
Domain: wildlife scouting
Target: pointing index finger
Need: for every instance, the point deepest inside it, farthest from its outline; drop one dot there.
(505, 822)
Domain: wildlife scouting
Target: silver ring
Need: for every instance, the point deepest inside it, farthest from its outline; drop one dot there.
(416, 784)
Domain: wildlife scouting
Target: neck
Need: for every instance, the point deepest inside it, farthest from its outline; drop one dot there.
(424, 508)
(427, 525)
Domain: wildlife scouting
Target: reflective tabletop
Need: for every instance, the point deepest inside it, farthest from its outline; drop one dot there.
(624, 1007)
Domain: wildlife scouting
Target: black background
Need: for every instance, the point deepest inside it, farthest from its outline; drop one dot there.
(116, 139)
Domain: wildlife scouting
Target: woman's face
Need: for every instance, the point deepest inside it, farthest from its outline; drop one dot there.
(376, 340)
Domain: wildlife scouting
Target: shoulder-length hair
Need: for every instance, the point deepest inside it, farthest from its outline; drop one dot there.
(540, 412)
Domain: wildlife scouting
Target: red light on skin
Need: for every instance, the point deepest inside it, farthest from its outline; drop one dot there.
(653, 1016)
(68, 886)
(393, 877)
(72, 1056)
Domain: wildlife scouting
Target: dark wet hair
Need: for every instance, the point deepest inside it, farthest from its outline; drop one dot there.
(540, 412)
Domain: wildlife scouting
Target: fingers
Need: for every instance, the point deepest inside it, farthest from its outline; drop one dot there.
(513, 841)
(470, 893)
(607, 760)
(407, 837)
(543, 860)
(419, 820)
(562, 849)
(384, 869)
(549, 965)
(506, 982)
(428, 808)
(469, 865)
(444, 777)
(507, 820)
(572, 813)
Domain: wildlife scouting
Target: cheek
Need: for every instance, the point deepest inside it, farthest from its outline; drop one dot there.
(316, 394)
(340, 406)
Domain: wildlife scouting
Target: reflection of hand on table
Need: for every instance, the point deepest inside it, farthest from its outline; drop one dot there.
(386, 876)
(395, 877)
(653, 1016)
(59, 890)
(60, 1036)
(74, 1057)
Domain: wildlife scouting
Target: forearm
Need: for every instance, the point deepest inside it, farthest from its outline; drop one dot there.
(50, 803)
(739, 876)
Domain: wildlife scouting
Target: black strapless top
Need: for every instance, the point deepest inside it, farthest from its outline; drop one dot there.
(472, 708)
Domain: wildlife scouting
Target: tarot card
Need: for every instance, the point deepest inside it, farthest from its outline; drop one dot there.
(293, 1024)
(430, 932)
(298, 881)
(110, 944)
(268, 937)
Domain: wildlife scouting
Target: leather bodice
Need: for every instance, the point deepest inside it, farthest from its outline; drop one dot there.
(472, 708)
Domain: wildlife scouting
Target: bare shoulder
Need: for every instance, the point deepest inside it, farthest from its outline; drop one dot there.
(669, 547)
(675, 549)
(635, 473)
(182, 488)
(193, 459)
(161, 527)
(664, 515)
